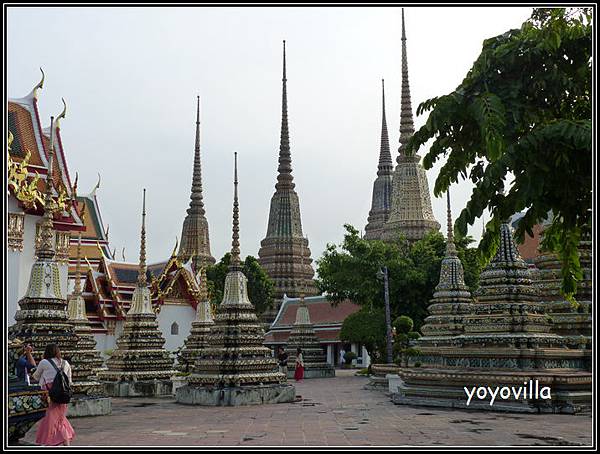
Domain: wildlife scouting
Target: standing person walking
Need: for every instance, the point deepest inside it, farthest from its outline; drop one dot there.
(282, 357)
(54, 428)
(25, 364)
(299, 372)
(342, 357)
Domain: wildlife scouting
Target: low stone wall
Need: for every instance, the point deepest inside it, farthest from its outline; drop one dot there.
(139, 388)
(315, 373)
(89, 406)
(234, 397)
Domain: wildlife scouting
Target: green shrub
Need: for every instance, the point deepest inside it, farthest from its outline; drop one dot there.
(403, 324)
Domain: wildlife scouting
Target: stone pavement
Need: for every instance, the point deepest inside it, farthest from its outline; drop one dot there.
(334, 412)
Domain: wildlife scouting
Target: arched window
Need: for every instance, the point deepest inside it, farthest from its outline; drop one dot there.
(174, 329)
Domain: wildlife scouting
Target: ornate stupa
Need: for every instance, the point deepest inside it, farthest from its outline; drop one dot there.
(410, 214)
(235, 368)
(303, 336)
(451, 300)
(280, 252)
(506, 343)
(86, 356)
(573, 322)
(43, 317)
(139, 366)
(200, 331)
(195, 242)
(382, 187)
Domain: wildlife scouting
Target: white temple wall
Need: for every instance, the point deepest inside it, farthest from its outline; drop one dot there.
(19, 262)
(181, 314)
(105, 342)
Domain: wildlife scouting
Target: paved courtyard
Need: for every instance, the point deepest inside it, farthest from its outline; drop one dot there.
(334, 412)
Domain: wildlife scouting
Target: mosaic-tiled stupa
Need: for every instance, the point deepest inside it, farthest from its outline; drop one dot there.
(506, 342)
(200, 331)
(451, 300)
(450, 303)
(42, 317)
(140, 365)
(88, 358)
(235, 368)
(303, 336)
(410, 211)
(281, 250)
(573, 322)
(195, 240)
(382, 186)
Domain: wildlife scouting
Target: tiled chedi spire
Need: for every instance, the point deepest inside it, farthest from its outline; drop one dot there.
(410, 214)
(574, 323)
(200, 331)
(195, 242)
(280, 253)
(451, 298)
(507, 310)
(382, 187)
(87, 357)
(140, 354)
(506, 341)
(235, 355)
(303, 336)
(42, 317)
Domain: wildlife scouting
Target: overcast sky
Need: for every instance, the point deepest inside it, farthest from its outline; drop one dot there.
(130, 77)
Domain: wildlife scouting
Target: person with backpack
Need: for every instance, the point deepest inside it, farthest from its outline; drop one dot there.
(54, 375)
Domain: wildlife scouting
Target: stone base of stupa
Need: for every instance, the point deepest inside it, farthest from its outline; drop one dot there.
(236, 396)
(378, 379)
(518, 391)
(315, 372)
(139, 388)
(89, 406)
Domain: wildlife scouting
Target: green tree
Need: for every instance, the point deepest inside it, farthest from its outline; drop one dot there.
(404, 335)
(366, 327)
(522, 114)
(350, 271)
(260, 286)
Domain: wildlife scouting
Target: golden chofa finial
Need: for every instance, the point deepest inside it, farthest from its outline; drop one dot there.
(61, 115)
(81, 211)
(74, 186)
(40, 84)
(95, 188)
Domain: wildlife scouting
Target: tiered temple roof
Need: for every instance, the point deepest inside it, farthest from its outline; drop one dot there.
(284, 252)
(195, 242)
(382, 187)
(410, 214)
(31, 147)
(326, 319)
(108, 289)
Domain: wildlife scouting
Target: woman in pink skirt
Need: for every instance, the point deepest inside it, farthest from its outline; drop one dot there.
(299, 372)
(54, 429)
